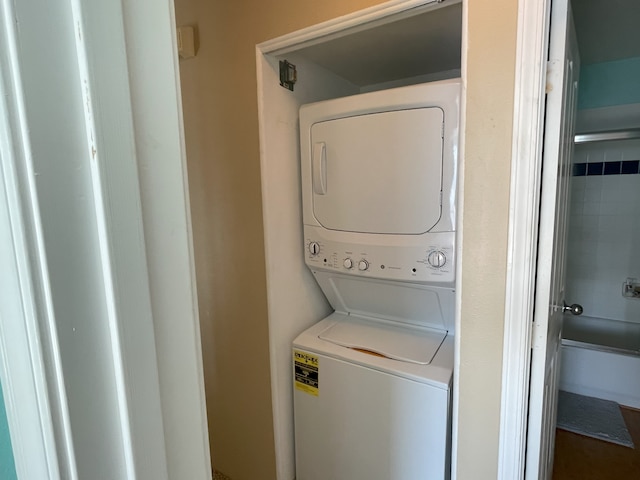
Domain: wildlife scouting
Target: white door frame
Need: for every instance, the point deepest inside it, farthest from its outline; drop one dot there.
(133, 125)
(528, 128)
(528, 123)
(40, 432)
(22, 372)
(282, 331)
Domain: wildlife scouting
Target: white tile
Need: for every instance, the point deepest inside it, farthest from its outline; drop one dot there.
(587, 250)
(575, 257)
(629, 208)
(577, 187)
(591, 208)
(603, 246)
(611, 208)
(610, 182)
(634, 263)
(578, 287)
(593, 189)
(585, 294)
(580, 268)
(613, 154)
(631, 150)
(629, 187)
(595, 153)
(579, 154)
(575, 222)
(590, 226)
(610, 266)
(576, 209)
(612, 189)
(613, 227)
(607, 302)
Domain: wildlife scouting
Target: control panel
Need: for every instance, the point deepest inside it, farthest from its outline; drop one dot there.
(432, 262)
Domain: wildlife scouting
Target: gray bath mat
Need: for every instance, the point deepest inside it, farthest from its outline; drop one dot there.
(593, 417)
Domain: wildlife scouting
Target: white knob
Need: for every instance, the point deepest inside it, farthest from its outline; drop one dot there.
(437, 259)
(348, 263)
(314, 248)
(363, 265)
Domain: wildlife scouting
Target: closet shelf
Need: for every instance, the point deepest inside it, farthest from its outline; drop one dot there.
(607, 136)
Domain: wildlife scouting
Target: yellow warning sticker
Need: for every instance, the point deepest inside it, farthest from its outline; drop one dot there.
(305, 367)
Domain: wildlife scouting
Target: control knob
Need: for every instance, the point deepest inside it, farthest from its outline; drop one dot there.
(348, 263)
(437, 259)
(314, 248)
(363, 265)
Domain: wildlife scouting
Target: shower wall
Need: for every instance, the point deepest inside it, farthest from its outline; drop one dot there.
(604, 229)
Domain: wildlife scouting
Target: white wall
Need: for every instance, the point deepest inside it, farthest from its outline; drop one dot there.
(604, 230)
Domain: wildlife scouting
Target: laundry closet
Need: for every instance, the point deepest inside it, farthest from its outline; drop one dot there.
(386, 265)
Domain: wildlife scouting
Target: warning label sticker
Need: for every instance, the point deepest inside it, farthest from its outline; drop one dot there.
(306, 372)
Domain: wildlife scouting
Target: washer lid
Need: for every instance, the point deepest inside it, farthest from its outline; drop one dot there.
(406, 343)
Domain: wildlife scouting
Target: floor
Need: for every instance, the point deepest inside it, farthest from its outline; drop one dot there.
(217, 475)
(582, 458)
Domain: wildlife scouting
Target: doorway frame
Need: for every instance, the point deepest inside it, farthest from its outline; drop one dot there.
(333, 28)
(524, 209)
(148, 124)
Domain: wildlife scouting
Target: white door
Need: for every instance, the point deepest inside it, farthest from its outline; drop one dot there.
(562, 85)
(100, 379)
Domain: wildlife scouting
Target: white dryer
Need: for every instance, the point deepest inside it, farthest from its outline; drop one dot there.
(372, 382)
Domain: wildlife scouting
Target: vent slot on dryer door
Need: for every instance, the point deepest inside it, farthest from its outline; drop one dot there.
(378, 173)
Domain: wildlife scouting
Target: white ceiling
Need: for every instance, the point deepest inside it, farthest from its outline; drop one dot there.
(607, 29)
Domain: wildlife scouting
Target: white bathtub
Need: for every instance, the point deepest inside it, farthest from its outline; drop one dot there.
(601, 358)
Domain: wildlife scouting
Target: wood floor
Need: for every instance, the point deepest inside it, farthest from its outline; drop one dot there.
(582, 458)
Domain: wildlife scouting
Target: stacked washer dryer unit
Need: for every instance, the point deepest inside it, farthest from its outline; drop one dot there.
(372, 382)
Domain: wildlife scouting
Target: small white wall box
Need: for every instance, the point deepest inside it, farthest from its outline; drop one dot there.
(186, 42)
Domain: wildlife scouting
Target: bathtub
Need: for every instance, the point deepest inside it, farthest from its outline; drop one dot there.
(601, 358)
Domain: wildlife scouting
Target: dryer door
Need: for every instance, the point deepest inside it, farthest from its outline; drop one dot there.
(379, 173)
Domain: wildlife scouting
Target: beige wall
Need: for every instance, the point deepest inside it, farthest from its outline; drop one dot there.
(489, 109)
(221, 124)
(219, 95)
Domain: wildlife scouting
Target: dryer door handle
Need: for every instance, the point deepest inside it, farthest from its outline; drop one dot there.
(319, 166)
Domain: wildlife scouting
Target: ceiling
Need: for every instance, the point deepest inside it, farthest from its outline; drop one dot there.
(418, 44)
(422, 43)
(607, 29)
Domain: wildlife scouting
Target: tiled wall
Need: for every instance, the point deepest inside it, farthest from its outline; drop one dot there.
(604, 229)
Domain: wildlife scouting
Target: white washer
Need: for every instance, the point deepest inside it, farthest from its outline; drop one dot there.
(367, 417)
(372, 382)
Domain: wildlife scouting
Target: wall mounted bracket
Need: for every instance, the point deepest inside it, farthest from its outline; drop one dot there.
(288, 74)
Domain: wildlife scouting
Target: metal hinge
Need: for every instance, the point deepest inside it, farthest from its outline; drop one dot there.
(548, 82)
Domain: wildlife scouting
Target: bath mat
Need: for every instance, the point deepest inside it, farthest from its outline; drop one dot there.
(592, 417)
